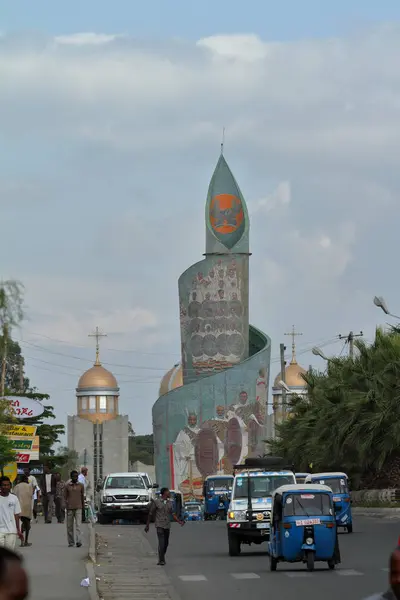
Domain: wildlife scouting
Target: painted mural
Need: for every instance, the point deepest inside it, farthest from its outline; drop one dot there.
(214, 315)
(208, 428)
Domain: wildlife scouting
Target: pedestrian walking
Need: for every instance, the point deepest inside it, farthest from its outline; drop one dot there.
(84, 480)
(13, 577)
(35, 500)
(48, 492)
(393, 593)
(9, 515)
(162, 509)
(23, 491)
(59, 498)
(74, 503)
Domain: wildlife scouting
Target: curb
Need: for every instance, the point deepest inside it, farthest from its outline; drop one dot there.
(363, 511)
(92, 589)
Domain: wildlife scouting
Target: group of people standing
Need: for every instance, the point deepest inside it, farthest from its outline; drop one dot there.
(63, 498)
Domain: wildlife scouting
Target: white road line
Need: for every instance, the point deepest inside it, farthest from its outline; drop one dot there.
(245, 576)
(192, 578)
(386, 569)
(348, 572)
(299, 574)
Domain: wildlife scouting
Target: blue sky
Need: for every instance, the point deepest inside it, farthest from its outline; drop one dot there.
(107, 146)
(283, 20)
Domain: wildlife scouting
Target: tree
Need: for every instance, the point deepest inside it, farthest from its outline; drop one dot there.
(11, 314)
(65, 461)
(14, 368)
(141, 448)
(350, 420)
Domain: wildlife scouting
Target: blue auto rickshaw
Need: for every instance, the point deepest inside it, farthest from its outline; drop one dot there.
(303, 526)
(301, 477)
(338, 482)
(217, 491)
(192, 511)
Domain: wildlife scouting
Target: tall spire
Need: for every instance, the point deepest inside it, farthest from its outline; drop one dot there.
(223, 140)
(97, 334)
(227, 221)
(293, 334)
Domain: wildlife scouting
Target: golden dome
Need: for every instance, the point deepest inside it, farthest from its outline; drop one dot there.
(97, 377)
(293, 376)
(171, 380)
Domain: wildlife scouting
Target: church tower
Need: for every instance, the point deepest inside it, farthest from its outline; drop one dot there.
(98, 433)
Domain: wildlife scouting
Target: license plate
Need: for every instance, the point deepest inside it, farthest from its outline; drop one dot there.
(262, 525)
(308, 522)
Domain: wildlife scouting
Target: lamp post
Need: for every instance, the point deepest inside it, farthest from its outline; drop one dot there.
(380, 302)
(318, 352)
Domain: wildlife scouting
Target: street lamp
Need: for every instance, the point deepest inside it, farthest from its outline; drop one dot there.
(380, 303)
(285, 387)
(318, 352)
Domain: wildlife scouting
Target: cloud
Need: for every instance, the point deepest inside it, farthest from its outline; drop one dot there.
(109, 145)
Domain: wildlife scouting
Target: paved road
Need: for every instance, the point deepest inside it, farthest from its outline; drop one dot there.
(200, 568)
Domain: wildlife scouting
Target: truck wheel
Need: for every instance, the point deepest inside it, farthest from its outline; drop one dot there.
(310, 561)
(350, 528)
(233, 544)
(331, 564)
(103, 520)
(273, 562)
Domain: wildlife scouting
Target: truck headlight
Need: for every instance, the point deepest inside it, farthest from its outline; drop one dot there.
(108, 499)
(237, 515)
(309, 541)
(143, 499)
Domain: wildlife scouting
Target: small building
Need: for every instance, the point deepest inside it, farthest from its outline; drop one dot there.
(98, 433)
(294, 381)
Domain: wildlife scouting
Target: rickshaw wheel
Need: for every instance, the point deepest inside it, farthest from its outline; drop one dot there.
(331, 564)
(273, 562)
(350, 528)
(310, 561)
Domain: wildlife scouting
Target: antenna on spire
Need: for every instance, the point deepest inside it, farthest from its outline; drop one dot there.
(223, 140)
(97, 334)
(293, 334)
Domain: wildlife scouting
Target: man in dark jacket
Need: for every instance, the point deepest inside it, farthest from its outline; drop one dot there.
(48, 485)
(393, 593)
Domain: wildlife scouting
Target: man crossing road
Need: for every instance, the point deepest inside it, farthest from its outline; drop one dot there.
(162, 509)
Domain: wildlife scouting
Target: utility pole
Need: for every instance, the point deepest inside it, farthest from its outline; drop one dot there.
(4, 360)
(282, 349)
(21, 374)
(350, 340)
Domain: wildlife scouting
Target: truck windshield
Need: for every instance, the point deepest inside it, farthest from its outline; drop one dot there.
(338, 485)
(220, 484)
(126, 483)
(260, 486)
(308, 505)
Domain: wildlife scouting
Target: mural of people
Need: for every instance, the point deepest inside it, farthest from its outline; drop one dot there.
(194, 307)
(187, 476)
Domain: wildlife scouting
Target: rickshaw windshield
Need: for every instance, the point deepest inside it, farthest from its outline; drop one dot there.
(220, 485)
(307, 505)
(193, 508)
(338, 485)
(260, 487)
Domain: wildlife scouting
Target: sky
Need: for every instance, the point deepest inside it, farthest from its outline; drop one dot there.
(110, 129)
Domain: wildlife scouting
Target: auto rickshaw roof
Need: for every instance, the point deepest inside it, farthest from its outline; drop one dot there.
(328, 475)
(301, 487)
(302, 474)
(219, 477)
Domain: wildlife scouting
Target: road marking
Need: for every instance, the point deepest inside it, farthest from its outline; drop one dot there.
(386, 569)
(348, 572)
(245, 576)
(193, 578)
(299, 574)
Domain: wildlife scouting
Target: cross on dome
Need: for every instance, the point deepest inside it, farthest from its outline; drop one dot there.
(293, 334)
(97, 334)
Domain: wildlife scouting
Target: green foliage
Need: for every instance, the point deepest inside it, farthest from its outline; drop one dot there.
(350, 420)
(65, 461)
(141, 447)
(13, 367)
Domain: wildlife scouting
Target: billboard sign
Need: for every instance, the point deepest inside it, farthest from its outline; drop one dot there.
(22, 458)
(25, 408)
(21, 443)
(26, 431)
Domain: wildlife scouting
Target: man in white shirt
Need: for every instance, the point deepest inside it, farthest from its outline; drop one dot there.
(84, 480)
(9, 515)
